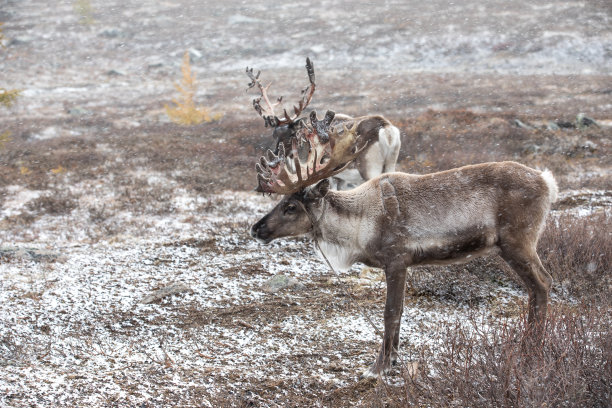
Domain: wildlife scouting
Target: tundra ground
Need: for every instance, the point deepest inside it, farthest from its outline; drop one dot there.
(104, 202)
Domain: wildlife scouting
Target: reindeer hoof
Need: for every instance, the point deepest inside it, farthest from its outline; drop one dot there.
(374, 372)
(367, 374)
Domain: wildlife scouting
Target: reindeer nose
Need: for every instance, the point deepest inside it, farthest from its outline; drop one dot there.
(260, 232)
(257, 230)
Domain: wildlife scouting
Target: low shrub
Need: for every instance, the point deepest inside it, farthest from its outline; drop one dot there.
(577, 252)
(570, 365)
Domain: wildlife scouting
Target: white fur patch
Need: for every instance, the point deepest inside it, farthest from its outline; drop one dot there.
(553, 190)
(341, 258)
(389, 139)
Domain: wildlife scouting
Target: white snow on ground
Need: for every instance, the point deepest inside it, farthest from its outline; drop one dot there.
(18, 197)
(590, 201)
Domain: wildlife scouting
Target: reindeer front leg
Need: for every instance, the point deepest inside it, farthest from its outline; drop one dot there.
(394, 306)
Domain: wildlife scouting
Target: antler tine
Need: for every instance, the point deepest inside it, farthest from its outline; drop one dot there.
(307, 92)
(335, 148)
(267, 109)
(254, 78)
(327, 155)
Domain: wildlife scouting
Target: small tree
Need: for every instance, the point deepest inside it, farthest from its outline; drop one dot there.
(186, 112)
(8, 96)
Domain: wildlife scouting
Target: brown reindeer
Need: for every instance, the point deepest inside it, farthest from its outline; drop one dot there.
(397, 220)
(382, 138)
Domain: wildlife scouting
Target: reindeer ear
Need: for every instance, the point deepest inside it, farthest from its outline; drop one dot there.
(319, 190)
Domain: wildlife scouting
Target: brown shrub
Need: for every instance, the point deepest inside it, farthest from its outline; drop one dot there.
(56, 202)
(138, 196)
(504, 366)
(577, 251)
(462, 284)
(439, 140)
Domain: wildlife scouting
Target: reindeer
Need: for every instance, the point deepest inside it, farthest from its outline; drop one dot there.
(382, 137)
(397, 220)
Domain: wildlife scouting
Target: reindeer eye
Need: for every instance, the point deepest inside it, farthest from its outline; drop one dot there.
(290, 209)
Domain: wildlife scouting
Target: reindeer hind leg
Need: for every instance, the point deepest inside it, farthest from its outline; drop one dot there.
(527, 264)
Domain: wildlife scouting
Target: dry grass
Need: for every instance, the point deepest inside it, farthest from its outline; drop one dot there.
(440, 140)
(578, 254)
(210, 156)
(55, 202)
(503, 366)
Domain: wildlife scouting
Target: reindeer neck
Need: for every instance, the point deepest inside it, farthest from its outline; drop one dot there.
(338, 212)
(353, 203)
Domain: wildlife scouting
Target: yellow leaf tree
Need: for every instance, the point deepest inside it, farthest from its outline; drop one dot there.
(186, 112)
(8, 96)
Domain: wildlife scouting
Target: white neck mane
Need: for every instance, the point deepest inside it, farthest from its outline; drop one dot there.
(348, 238)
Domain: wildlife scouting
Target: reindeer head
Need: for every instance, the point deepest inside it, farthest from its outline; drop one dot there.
(285, 126)
(329, 151)
(289, 217)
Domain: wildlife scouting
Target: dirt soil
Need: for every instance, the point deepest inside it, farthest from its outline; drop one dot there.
(104, 201)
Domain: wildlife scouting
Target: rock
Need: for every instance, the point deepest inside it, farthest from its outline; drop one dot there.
(20, 40)
(194, 54)
(78, 111)
(33, 254)
(155, 64)
(111, 33)
(523, 125)
(114, 72)
(552, 126)
(565, 124)
(280, 282)
(126, 124)
(583, 121)
(47, 133)
(589, 146)
(173, 289)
